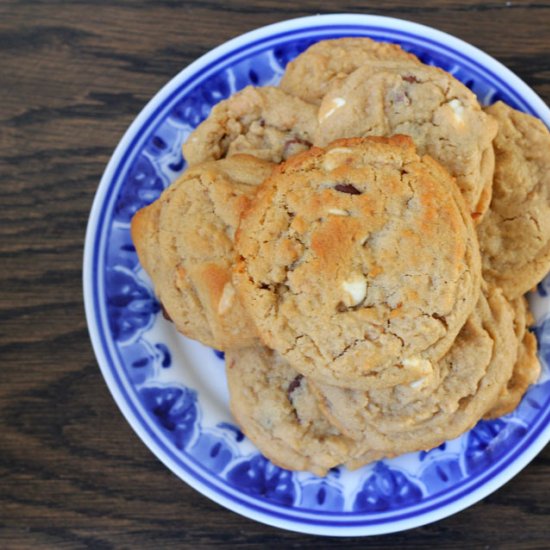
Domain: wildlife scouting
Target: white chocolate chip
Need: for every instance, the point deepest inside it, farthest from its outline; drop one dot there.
(418, 383)
(355, 289)
(226, 299)
(458, 110)
(329, 108)
(333, 157)
(338, 212)
(423, 366)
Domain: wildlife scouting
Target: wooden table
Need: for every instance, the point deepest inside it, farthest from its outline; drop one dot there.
(72, 77)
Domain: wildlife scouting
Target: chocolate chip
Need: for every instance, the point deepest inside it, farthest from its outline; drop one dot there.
(410, 78)
(347, 188)
(295, 145)
(298, 140)
(294, 385)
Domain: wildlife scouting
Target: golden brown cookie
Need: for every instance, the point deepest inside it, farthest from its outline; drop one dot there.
(515, 234)
(185, 243)
(276, 410)
(421, 415)
(527, 367)
(441, 115)
(312, 73)
(265, 122)
(171, 285)
(357, 259)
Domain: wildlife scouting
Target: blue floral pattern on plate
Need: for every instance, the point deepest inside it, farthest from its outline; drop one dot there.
(168, 380)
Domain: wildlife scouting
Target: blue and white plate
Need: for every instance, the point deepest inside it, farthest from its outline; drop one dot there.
(172, 390)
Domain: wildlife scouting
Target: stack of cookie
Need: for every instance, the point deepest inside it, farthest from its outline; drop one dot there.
(358, 241)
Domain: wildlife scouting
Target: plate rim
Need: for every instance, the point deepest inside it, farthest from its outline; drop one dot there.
(100, 350)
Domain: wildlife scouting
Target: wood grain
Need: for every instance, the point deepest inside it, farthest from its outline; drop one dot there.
(72, 77)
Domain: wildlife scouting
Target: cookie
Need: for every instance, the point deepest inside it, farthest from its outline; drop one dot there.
(515, 234)
(185, 243)
(526, 372)
(442, 116)
(276, 410)
(527, 367)
(144, 233)
(312, 73)
(422, 415)
(358, 258)
(265, 122)
(183, 306)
